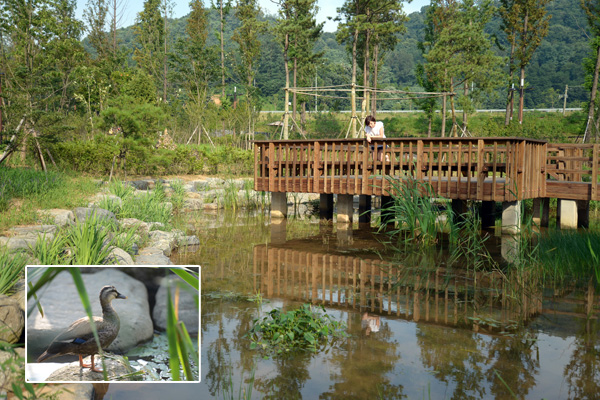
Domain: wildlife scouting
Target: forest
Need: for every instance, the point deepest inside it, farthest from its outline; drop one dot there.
(88, 85)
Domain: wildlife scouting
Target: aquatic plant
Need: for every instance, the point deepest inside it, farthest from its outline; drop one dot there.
(302, 329)
(244, 393)
(178, 195)
(412, 212)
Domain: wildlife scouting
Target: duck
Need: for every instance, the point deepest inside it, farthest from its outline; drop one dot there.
(78, 338)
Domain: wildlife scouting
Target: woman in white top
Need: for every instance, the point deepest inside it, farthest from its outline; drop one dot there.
(374, 129)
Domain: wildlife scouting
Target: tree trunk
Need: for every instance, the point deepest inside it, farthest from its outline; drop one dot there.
(286, 116)
(295, 85)
(353, 92)
(511, 92)
(466, 93)
(374, 93)
(165, 60)
(365, 77)
(444, 115)
(590, 122)
(522, 80)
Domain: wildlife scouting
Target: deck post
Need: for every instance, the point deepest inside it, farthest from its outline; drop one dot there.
(345, 207)
(326, 206)
(567, 211)
(488, 214)
(459, 209)
(583, 214)
(541, 211)
(364, 209)
(511, 217)
(344, 235)
(386, 204)
(279, 206)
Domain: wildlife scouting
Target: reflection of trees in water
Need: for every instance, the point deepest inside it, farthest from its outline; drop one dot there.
(583, 371)
(362, 364)
(290, 376)
(516, 360)
(218, 351)
(455, 356)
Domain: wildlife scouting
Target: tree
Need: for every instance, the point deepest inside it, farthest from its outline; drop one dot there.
(462, 51)
(526, 24)
(592, 11)
(246, 36)
(150, 36)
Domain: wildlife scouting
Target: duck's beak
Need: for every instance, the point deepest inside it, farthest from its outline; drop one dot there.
(120, 296)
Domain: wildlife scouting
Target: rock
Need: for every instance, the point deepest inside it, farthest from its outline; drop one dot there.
(105, 198)
(32, 230)
(193, 204)
(58, 216)
(12, 363)
(62, 306)
(19, 291)
(188, 308)
(73, 372)
(119, 256)
(66, 391)
(211, 206)
(157, 257)
(193, 195)
(83, 213)
(12, 320)
(140, 185)
(142, 227)
(189, 241)
(15, 244)
(152, 226)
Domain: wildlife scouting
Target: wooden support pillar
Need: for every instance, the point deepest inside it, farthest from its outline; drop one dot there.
(583, 214)
(364, 209)
(511, 217)
(541, 211)
(459, 209)
(487, 214)
(279, 208)
(345, 207)
(326, 206)
(344, 235)
(567, 214)
(387, 215)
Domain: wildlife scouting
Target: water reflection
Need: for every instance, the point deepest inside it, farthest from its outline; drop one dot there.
(443, 332)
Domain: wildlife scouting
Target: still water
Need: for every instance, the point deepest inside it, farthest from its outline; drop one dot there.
(437, 332)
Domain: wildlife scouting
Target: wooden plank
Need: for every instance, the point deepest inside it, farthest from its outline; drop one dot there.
(419, 171)
(480, 172)
(271, 187)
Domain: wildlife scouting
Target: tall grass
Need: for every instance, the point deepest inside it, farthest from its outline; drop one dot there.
(11, 268)
(412, 212)
(24, 190)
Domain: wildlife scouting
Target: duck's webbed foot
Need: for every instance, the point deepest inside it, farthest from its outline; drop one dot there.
(91, 365)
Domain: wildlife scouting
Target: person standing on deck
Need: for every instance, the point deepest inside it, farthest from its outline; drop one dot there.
(374, 129)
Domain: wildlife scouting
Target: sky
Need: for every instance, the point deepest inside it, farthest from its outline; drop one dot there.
(327, 8)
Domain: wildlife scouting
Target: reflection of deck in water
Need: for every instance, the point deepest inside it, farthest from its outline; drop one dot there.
(478, 300)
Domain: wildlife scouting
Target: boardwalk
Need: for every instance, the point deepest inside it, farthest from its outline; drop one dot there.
(482, 169)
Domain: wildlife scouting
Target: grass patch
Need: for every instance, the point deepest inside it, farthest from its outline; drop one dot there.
(23, 191)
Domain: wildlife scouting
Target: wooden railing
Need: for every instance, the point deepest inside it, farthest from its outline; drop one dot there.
(573, 171)
(499, 169)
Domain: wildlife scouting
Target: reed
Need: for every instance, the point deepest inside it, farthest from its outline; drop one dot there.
(178, 195)
(11, 270)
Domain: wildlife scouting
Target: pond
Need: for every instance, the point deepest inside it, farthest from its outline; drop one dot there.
(435, 332)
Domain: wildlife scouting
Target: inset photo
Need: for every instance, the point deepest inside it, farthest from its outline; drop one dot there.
(101, 323)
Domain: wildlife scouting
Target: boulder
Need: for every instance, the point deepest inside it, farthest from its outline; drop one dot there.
(83, 213)
(193, 204)
(12, 363)
(189, 312)
(66, 391)
(115, 367)
(62, 306)
(142, 227)
(152, 256)
(12, 319)
(58, 216)
(119, 256)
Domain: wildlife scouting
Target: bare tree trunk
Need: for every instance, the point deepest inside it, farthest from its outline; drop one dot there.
(374, 92)
(353, 92)
(511, 92)
(165, 58)
(286, 116)
(295, 74)
(444, 115)
(588, 133)
(365, 77)
(466, 93)
(522, 80)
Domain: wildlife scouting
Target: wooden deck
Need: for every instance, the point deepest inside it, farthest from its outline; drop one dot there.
(484, 169)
